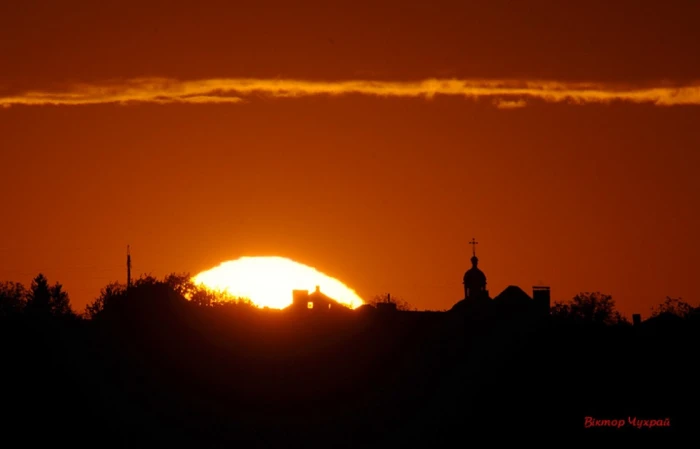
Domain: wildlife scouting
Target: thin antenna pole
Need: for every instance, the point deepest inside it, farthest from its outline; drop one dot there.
(128, 267)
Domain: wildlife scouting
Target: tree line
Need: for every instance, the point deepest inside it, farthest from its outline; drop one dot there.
(43, 299)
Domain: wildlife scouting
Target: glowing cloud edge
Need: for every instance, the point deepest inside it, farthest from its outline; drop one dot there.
(506, 93)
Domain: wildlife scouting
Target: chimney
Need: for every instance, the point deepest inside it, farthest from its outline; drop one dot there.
(300, 297)
(318, 289)
(541, 296)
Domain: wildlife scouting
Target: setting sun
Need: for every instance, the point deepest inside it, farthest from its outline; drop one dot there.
(269, 281)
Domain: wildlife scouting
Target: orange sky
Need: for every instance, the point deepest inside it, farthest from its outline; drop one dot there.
(375, 186)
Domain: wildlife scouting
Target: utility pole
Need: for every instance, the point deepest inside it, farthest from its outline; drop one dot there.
(128, 267)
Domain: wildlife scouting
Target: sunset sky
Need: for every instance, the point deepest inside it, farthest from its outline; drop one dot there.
(370, 140)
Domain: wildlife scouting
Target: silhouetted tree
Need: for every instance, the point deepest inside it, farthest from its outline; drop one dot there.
(225, 301)
(39, 296)
(110, 293)
(181, 283)
(59, 302)
(13, 298)
(203, 297)
(198, 294)
(673, 306)
(43, 299)
(148, 298)
(146, 279)
(590, 308)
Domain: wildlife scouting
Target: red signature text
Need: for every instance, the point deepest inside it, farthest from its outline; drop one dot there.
(630, 421)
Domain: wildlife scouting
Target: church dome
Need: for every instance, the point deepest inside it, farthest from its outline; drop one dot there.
(475, 280)
(474, 275)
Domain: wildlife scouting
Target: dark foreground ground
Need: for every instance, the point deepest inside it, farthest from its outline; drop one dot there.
(259, 380)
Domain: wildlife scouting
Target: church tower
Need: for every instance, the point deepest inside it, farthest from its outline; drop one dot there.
(474, 278)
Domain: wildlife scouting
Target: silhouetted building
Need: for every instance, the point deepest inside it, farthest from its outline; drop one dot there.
(512, 301)
(542, 298)
(300, 299)
(313, 302)
(387, 306)
(513, 296)
(474, 279)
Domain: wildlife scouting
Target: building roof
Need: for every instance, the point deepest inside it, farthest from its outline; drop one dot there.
(512, 295)
(317, 295)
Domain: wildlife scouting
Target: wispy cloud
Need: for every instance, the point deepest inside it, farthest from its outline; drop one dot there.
(502, 103)
(505, 94)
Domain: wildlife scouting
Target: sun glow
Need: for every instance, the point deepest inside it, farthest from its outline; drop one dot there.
(269, 281)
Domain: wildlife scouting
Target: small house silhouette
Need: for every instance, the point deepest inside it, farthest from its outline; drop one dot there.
(317, 301)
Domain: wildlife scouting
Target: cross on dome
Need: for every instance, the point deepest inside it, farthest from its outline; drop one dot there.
(473, 243)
